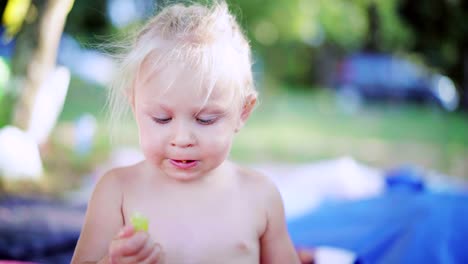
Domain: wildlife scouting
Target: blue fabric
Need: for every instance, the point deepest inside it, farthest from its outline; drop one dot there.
(400, 226)
(6, 49)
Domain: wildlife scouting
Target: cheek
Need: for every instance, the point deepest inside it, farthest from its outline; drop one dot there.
(150, 146)
(217, 141)
(150, 140)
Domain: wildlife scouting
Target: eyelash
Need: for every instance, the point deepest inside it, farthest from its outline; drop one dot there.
(204, 122)
(161, 120)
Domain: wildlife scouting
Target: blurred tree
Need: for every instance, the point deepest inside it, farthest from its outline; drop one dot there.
(36, 51)
(442, 36)
(88, 21)
(297, 40)
(293, 36)
(372, 42)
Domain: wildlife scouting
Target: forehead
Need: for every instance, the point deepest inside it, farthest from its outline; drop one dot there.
(178, 83)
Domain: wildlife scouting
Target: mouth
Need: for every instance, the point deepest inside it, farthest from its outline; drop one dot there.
(184, 164)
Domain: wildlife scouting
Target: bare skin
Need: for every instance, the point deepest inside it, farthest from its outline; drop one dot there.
(234, 217)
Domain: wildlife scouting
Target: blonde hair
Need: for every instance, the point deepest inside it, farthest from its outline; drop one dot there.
(207, 39)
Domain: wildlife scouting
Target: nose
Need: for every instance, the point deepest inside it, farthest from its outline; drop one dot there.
(182, 136)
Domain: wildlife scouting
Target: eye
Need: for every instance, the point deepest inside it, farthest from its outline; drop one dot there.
(206, 121)
(162, 120)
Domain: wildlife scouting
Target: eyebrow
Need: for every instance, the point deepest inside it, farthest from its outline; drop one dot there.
(153, 107)
(212, 108)
(165, 108)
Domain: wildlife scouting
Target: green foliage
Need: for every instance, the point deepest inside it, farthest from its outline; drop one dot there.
(7, 99)
(291, 33)
(7, 104)
(288, 35)
(394, 33)
(344, 22)
(87, 20)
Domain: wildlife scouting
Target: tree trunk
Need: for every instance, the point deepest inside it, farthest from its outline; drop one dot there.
(372, 41)
(36, 53)
(464, 81)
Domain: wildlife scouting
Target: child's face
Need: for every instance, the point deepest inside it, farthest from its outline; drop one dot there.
(179, 134)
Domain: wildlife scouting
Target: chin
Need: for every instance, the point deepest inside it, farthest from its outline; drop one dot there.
(184, 176)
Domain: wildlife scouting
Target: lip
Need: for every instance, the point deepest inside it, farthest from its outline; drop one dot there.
(183, 165)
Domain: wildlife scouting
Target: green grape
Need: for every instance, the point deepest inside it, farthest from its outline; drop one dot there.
(139, 222)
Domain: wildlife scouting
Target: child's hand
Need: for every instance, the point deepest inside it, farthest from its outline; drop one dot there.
(132, 246)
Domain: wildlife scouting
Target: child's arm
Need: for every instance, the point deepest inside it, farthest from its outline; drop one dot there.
(102, 222)
(104, 238)
(276, 246)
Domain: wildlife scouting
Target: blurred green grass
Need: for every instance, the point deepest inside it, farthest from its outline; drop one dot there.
(305, 125)
(83, 97)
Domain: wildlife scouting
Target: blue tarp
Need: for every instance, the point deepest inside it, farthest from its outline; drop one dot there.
(403, 225)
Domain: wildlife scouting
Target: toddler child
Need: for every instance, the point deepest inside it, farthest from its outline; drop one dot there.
(188, 81)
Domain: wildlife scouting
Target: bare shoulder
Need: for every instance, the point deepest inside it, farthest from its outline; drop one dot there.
(254, 177)
(258, 184)
(120, 177)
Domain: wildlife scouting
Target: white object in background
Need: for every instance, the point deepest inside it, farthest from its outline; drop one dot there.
(85, 128)
(19, 155)
(304, 187)
(89, 65)
(49, 104)
(330, 255)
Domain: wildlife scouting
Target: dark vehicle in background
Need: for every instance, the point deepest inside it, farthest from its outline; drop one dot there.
(371, 77)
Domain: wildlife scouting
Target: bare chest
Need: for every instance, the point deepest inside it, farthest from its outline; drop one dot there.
(193, 241)
(205, 231)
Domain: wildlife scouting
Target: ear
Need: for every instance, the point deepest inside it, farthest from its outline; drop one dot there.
(247, 109)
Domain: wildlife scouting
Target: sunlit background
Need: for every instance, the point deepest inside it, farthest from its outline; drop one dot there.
(355, 98)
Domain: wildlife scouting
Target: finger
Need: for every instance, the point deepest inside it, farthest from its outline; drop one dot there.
(156, 256)
(135, 243)
(146, 251)
(130, 246)
(126, 231)
(116, 251)
(117, 246)
(152, 256)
